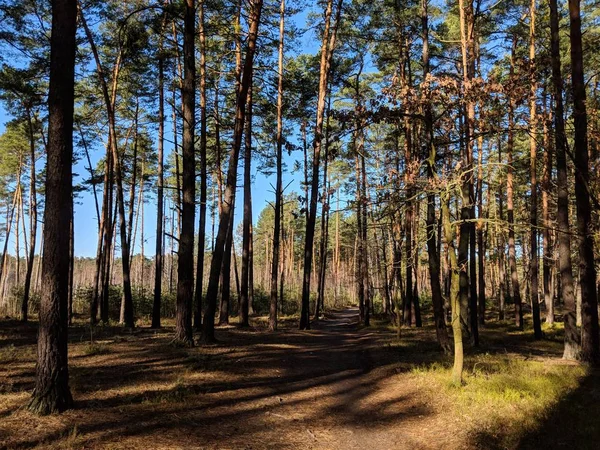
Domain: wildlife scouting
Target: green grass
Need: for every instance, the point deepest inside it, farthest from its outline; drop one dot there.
(95, 348)
(503, 397)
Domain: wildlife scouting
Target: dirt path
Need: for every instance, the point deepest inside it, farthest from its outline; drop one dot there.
(334, 387)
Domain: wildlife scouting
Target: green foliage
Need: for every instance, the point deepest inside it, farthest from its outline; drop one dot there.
(504, 397)
(142, 302)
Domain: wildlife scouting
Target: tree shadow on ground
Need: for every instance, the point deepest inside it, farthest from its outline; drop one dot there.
(286, 389)
(250, 387)
(574, 423)
(570, 424)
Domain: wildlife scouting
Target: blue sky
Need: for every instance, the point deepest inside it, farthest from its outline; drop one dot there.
(85, 211)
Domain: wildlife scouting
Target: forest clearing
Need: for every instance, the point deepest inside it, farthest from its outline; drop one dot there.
(330, 224)
(339, 386)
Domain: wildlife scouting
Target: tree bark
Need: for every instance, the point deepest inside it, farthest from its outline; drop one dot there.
(512, 257)
(468, 286)
(185, 255)
(533, 212)
(110, 100)
(327, 48)
(52, 393)
(247, 221)
(567, 291)
(32, 219)
(158, 255)
(324, 212)
(203, 169)
(449, 238)
(277, 232)
(208, 335)
(590, 338)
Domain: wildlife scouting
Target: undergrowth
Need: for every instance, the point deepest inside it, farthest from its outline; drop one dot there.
(503, 397)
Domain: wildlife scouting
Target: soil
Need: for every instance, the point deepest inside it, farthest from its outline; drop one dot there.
(337, 386)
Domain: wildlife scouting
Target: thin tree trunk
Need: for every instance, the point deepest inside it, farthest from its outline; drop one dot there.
(468, 287)
(327, 48)
(10, 215)
(534, 257)
(279, 182)
(185, 255)
(71, 265)
(110, 100)
(432, 247)
(160, 209)
(32, 219)
(324, 206)
(512, 257)
(546, 233)
(226, 277)
(18, 232)
(203, 170)
(247, 222)
(229, 199)
(480, 236)
(449, 238)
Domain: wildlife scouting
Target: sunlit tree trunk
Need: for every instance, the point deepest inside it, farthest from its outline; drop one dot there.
(512, 256)
(327, 48)
(533, 212)
(548, 258)
(32, 219)
(449, 238)
(279, 183)
(229, 198)
(324, 207)
(110, 101)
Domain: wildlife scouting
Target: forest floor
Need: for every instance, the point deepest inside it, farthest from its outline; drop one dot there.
(337, 386)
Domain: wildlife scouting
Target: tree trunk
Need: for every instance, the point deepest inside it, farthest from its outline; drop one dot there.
(324, 206)
(226, 276)
(185, 255)
(203, 170)
(449, 238)
(71, 266)
(52, 393)
(548, 257)
(512, 257)
(468, 285)
(327, 48)
(590, 339)
(247, 222)
(567, 292)
(229, 199)
(534, 257)
(160, 209)
(480, 235)
(503, 291)
(431, 155)
(32, 220)
(110, 101)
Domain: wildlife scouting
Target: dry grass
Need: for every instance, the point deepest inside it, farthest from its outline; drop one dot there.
(338, 386)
